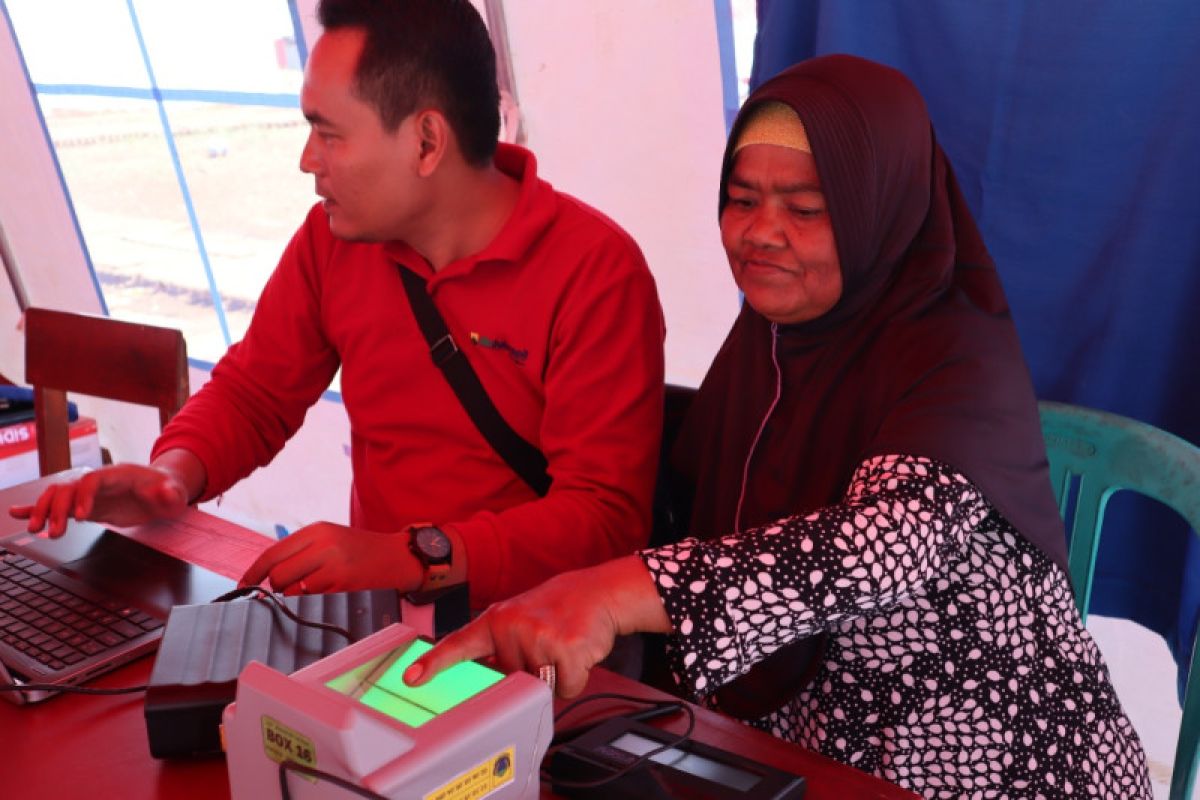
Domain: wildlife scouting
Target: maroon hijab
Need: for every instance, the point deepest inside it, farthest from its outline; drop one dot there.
(919, 356)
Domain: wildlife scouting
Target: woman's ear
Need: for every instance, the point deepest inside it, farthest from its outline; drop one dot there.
(433, 139)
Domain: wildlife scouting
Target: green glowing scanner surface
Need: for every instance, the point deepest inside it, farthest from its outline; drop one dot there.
(378, 684)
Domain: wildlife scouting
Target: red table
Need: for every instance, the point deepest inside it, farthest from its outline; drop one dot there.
(95, 747)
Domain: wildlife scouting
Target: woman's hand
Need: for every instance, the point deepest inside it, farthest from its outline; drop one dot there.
(569, 622)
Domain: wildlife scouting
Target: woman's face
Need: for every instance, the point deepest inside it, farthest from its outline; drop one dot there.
(778, 236)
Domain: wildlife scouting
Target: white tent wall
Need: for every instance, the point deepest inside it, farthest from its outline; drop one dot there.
(623, 106)
(34, 213)
(621, 102)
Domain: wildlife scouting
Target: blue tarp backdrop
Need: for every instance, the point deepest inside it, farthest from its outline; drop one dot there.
(1074, 128)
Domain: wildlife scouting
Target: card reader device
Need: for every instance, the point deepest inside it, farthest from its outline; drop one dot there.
(469, 732)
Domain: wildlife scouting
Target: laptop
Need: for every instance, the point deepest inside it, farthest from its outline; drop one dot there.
(79, 606)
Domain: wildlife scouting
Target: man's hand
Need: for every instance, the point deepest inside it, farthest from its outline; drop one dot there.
(326, 557)
(570, 622)
(124, 494)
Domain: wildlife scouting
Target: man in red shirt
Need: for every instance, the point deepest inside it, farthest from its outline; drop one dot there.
(549, 301)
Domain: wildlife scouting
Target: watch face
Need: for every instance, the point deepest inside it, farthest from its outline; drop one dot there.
(432, 544)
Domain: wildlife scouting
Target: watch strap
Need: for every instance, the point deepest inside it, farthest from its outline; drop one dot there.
(435, 575)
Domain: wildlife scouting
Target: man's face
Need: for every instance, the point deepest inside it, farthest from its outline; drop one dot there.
(365, 175)
(778, 236)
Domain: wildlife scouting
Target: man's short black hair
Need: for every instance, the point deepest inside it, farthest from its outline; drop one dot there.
(425, 52)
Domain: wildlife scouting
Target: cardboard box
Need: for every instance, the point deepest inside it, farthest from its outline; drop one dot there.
(18, 449)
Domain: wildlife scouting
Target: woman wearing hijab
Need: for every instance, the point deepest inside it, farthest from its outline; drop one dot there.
(870, 479)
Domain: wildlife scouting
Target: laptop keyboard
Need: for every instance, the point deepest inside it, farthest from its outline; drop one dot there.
(57, 622)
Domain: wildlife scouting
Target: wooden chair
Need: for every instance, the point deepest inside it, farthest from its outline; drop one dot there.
(100, 357)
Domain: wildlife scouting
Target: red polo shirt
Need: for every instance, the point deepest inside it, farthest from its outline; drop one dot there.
(559, 316)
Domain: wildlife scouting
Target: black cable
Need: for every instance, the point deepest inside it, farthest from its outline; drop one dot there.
(632, 765)
(234, 594)
(294, 617)
(263, 596)
(660, 709)
(292, 766)
(36, 687)
(646, 701)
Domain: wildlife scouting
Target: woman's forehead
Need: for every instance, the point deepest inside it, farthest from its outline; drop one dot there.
(769, 167)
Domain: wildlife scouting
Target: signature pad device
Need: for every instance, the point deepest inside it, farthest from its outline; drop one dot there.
(471, 731)
(589, 767)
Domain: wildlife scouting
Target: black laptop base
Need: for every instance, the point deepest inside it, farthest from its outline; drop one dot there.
(79, 606)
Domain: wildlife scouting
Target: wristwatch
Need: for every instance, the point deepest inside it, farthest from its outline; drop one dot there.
(432, 548)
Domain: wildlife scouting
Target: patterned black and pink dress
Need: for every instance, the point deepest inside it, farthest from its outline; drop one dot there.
(956, 665)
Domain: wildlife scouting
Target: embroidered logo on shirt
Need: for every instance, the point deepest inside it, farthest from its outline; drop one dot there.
(516, 355)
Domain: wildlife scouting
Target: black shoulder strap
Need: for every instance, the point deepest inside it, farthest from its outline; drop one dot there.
(525, 459)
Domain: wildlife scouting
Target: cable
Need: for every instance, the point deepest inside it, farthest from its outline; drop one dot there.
(234, 594)
(646, 701)
(271, 599)
(632, 765)
(661, 709)
(54, 687)
(292, 766)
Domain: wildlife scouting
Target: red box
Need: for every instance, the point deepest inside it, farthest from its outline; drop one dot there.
(18, 449)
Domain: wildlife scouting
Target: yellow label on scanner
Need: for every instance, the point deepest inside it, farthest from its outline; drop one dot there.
(479, 781)
(281, 743)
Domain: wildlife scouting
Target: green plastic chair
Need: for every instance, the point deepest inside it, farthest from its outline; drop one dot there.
(1108, 453)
